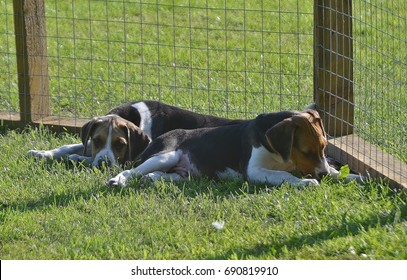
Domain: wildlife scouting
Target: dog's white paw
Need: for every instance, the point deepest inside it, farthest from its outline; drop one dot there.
(351, 177)
(308, 182)
(120, 180)
(40, 154)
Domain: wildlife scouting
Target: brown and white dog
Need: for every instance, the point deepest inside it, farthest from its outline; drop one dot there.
(122, 134)
(264, 150)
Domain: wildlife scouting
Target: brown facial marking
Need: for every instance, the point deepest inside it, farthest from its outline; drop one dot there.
(87, 131)
(122, 137)
(309, 143)
(300, 139)
(107, 136)
(120, 142)
(137, 141)
(281, 138)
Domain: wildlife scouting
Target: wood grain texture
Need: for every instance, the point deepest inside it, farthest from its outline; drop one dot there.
(333, 65)
(368, 160)
(32, 60)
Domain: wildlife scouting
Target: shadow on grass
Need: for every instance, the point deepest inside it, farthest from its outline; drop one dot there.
(62, 197)
(296, 242)
(52, 200)
(212, 190)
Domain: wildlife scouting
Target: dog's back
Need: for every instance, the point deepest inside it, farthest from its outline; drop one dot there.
(212, 149)
(166, 117)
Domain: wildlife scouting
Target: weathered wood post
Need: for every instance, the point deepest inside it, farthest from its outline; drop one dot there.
(333, 65)
(32, 61)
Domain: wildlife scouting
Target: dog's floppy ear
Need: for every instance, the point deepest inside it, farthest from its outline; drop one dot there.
(281, 137)
(137, 141)
(86, 132)
(318, 119)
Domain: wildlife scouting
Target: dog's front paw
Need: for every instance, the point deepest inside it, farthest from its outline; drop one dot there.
(40, 154)
(120, 180)
(308, 182)
(351, 177)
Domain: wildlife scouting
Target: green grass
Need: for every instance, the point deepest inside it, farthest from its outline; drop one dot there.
(57, 211)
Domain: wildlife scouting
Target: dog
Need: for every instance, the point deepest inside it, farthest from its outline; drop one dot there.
(121, 135)
(266, 150)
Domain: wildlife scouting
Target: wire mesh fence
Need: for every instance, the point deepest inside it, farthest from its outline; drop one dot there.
(363, 84)
(8, 68)
(380, 80)
(232, 58)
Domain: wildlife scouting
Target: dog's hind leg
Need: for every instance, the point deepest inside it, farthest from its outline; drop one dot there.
(161, 162)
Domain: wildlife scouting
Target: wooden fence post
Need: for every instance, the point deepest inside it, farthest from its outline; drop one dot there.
(333, 65)
(32, 62)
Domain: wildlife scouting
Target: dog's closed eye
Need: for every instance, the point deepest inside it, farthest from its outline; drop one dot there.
(120, 144)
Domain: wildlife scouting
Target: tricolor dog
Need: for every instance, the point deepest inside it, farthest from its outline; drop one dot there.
(122, 134)
(264, 150)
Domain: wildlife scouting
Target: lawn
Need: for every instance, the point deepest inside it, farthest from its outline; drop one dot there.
(58, 211)
(228, 58)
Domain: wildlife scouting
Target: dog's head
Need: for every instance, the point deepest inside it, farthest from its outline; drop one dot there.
(302, 140)
(113, 140)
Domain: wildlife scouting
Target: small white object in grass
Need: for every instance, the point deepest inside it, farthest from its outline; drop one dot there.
(218, 225)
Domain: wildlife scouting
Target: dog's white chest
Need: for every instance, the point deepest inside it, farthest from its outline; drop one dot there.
(262, 158)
